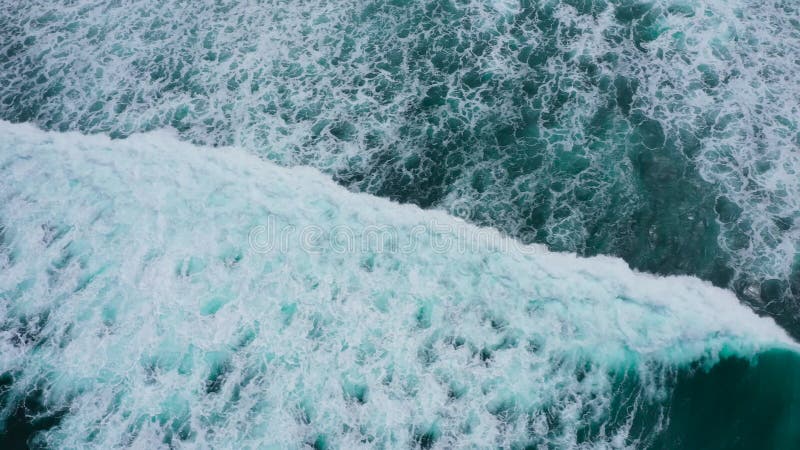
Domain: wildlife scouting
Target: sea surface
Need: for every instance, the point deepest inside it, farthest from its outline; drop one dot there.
(400, 224)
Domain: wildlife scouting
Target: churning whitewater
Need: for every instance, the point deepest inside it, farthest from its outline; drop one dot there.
(170, 277)
(145, 305)
(665, 132)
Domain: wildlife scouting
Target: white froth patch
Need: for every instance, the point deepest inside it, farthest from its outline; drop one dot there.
(159, 324)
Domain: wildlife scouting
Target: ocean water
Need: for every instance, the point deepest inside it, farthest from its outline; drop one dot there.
(339, 224)
(147, 305)
(664, 132)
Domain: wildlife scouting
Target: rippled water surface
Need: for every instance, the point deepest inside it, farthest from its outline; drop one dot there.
(665, 133)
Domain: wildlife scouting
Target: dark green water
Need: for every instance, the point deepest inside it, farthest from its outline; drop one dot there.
(737, 404)
(664, 132)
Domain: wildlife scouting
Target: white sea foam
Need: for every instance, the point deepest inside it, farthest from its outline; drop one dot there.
(132, 296)
(338, 85)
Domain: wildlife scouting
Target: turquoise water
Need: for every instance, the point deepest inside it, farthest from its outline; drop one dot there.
(144, 306)
(664, 133)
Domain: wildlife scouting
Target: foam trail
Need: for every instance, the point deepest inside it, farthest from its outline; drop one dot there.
(141, 301)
